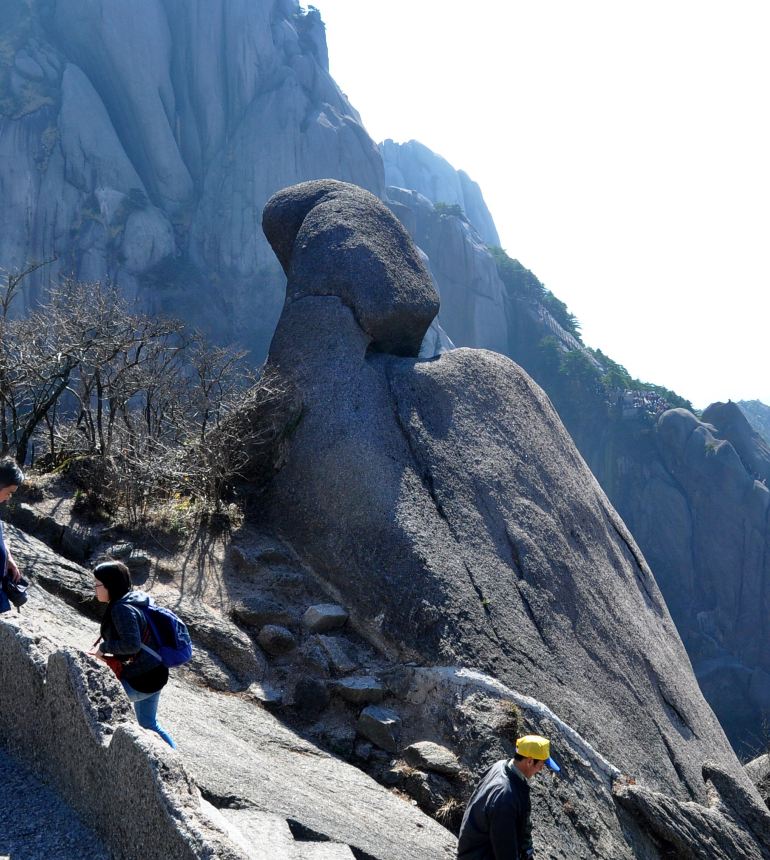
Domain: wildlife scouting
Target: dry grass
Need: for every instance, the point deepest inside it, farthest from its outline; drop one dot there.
(450, 814)
(509, 722)
(404, 769)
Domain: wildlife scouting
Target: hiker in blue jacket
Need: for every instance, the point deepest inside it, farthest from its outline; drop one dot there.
(11, 478)
(123, 631)
(496, 824)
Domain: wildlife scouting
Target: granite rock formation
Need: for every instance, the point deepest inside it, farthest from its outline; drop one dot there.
(153, 173)
(65, 713)
(447, 504)
(707, 553)
(758, 415)
(142, 148)
(759, 772)
(732, 425)
(476, 308)
(414, 167)
(699, 510)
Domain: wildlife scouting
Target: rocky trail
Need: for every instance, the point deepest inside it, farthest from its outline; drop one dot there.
(278, 794)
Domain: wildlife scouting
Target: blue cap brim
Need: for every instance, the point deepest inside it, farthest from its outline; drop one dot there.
(552, 764)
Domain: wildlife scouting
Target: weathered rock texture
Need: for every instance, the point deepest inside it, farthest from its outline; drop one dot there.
(686, 489)
(415, 167)
(758, 415)
(67, 714)
(447, 504)
(759, 773)
(338, 233)
(694, 494)
(25, 800)
(143, 147)
(733, 823)
(476, 307)
(256, 772)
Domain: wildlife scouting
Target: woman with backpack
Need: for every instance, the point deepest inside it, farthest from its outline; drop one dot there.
(124, 630)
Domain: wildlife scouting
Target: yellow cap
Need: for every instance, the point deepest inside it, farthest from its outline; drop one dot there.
(534, 746)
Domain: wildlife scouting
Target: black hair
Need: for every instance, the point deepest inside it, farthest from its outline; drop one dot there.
(10, 473)
(115, 577)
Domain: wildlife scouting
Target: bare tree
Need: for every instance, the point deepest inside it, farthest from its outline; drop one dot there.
(147, 411)
(9, 291)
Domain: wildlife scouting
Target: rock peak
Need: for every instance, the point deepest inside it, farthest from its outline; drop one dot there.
(336, 239)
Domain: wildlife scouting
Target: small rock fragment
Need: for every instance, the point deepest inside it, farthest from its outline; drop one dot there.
(381, 726)
(258, 611)
(324, 617)
(430, 756)
(359, 689)
(340, 660)
(276, 640)
(120, 550)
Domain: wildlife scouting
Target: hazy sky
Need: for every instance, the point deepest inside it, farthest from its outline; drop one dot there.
(623, 148)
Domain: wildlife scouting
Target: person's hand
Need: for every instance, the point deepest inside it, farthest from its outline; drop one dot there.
(12, 569)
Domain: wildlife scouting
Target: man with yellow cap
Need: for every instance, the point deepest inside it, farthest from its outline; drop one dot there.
(496, 824)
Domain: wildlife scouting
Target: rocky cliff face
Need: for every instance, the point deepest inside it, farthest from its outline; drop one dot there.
(694, 495)
(142, 147)
(415, 167)
(758, 415)
(476, 307)
(446, 503)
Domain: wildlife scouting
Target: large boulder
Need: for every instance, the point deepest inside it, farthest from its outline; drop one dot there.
(731, 424)
(446, 502)
(758, 415)
(331, 237)
(759, 773)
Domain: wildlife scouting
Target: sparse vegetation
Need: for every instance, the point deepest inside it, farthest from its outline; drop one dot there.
(509, 722)
(403, 769)
(523, 284)
(570, 375)
(450, 814)
(148, 420)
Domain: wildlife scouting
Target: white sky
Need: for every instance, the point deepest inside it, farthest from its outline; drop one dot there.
(623, 149)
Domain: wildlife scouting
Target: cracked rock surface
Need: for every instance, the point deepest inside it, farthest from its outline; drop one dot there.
(446, 501)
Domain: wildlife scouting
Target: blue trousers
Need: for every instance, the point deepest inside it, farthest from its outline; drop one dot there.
(146, 708)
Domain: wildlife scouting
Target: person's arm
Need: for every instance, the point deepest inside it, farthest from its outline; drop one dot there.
(128, 635)
(10, 565)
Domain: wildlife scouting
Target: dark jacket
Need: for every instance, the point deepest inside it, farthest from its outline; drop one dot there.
(496, 824)
(123, 633)
(5, 604)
